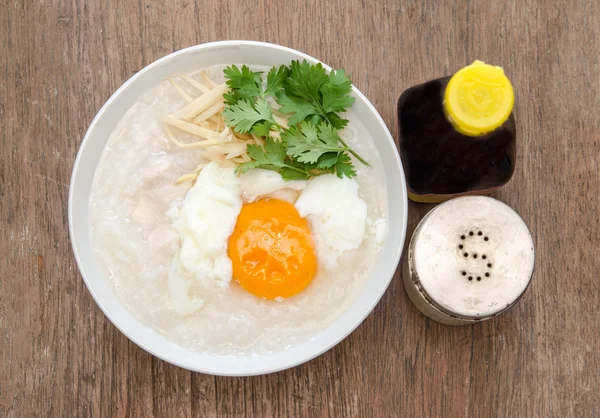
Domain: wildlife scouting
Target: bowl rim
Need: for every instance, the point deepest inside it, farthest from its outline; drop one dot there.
(402, 189)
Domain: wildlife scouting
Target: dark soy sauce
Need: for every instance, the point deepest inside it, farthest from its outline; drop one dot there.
(440, 161)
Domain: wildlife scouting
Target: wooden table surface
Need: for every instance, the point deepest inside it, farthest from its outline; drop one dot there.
(59, 355)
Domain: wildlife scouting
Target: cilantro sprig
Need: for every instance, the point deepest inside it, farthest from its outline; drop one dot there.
(312, 99)
(309, 91)
(243, 84)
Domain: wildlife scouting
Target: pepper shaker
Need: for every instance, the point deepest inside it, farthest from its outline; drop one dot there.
(469, 259)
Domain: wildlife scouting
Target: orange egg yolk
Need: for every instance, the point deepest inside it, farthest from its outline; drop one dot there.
(272, 250)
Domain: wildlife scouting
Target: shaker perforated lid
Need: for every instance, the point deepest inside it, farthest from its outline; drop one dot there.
(470, 258)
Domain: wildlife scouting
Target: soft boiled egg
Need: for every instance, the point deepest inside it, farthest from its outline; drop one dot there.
(271, 236)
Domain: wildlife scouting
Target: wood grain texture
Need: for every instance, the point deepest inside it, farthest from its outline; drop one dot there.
(59, 356)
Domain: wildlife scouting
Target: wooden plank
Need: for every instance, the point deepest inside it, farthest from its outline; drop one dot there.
(59, 356)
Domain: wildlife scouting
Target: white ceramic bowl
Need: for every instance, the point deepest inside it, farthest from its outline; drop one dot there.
(100, 287)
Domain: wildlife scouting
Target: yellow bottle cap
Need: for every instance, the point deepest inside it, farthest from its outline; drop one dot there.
(478, 99)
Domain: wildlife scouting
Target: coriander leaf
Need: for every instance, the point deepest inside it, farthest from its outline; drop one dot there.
(275, 79)
(305, 81)
(274, 151)
(314, 119)
(327, 160)
(344, 166)
(290, 174)
(336, 121)
(336, 92)
(308, 142)
(303, 166)
(328, 134)
(261, 128)
(244, 167)
(243, 115)
(299, 108)
(262, 156)
(232, 97)
(310, 94)
(272, 157)
(237, 78)
(243, 84)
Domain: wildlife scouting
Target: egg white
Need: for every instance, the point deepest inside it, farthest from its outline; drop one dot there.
(259, 183)
(205, 221)
(337, 216)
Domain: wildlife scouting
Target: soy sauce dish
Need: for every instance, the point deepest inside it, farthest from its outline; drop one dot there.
(237, 208)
